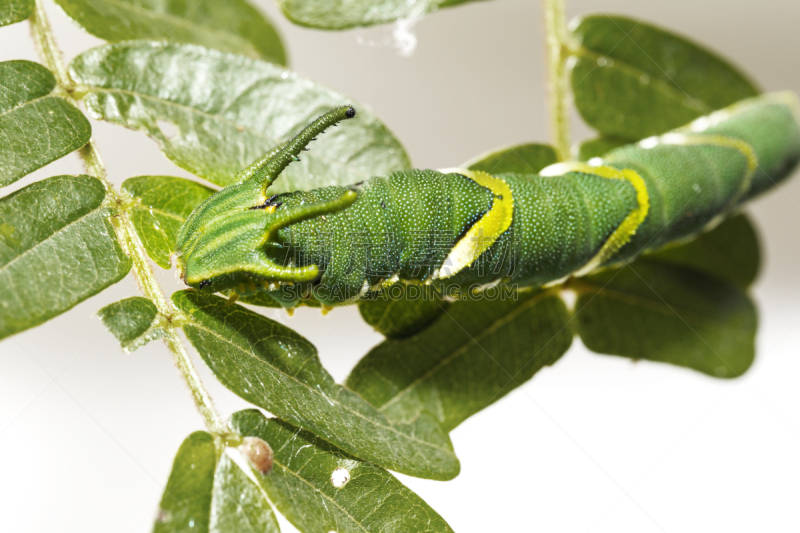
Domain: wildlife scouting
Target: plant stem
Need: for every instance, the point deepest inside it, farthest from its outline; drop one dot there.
(126, 233)
(557, 82)
(51, 55)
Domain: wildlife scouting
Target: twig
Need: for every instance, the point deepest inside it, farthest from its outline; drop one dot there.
(557, 83)
(126, 233)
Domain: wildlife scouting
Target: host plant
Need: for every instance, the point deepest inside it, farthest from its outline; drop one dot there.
(207, 80)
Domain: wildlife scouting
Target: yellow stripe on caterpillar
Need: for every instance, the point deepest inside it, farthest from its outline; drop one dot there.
(485, 232)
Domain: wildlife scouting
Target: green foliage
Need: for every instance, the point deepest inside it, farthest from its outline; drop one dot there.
(206, 494)
(598, 147)
(186, 503)
(301, 485)
(237, 504)
(659, 312)
(57, 248)
(729, 252)
(521, 159)
(162, 205)
(133, 321)
(211, 107)
(12, 11)
(228, 25)
(203, 78)
(414, 310)
(37, 126)
(632, 80)
(343, 14)
(273, 367)
(262, 299)
(476, 353)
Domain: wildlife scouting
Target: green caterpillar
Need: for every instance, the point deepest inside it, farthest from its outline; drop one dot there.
(468, 229)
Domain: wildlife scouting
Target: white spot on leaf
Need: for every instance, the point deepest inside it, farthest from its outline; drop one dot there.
(340, 477)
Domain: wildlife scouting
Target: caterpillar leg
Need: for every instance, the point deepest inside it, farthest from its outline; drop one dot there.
(234, 296)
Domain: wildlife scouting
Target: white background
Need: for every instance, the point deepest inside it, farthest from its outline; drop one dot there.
(595, 443)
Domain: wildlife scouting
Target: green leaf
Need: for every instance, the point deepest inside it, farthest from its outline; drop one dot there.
(598, 147)
(36, 126)
(300, 485)
(57, 248)
(521, 159)
(227, 110)
(261, 299)
(343, 14)
(471, 357)
(186, 503)
(228, 25)
(730, 252)
(238, 505)
(206, 495)
(133, 321)
(273, 367)
(163, 204)
(658, 312)
(12, 11)
(402, 310)
(633, 80)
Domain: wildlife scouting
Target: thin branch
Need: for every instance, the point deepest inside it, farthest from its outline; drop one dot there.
(126, 233)
(51, 55)
(557, 82)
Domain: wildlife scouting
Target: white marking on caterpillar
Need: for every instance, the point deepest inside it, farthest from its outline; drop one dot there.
(364, 289)
(650, 142)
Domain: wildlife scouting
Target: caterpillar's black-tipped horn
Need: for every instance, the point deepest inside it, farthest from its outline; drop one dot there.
(274, 165)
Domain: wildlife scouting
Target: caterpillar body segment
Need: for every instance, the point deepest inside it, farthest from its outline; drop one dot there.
(405, 225)
(466, 229)
(627, 228)
(481, 235)
(701, 173)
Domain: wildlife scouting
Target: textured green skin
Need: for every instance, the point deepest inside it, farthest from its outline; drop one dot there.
(404, 225)
(555, 230)
(677, 210)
